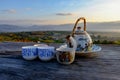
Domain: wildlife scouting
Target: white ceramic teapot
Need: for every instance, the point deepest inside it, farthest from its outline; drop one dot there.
(83, 39)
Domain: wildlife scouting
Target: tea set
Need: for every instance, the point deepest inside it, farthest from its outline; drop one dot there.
(79, 41)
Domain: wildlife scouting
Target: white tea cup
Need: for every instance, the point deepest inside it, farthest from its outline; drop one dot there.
(46, 53)
(29, 52)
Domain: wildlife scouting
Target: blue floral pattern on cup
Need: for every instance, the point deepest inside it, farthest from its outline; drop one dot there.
(29, 51)
(46, 53)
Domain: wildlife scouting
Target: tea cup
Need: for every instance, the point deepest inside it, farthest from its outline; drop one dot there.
(65, 55)
(29, 52)
(46, 53)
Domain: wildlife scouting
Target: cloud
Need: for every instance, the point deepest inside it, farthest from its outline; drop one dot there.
(64, 14)
(28, 9)
(11, 11)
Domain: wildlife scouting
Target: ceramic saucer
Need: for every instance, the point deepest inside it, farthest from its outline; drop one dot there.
(95, 48)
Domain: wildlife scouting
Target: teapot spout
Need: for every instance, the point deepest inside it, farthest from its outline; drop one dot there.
(71, 42)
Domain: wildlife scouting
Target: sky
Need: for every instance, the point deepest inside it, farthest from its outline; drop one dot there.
(55, 12)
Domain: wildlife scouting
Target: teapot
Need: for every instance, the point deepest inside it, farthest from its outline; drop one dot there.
(83, 39)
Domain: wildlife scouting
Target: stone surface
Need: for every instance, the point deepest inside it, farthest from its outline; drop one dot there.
(104, 65)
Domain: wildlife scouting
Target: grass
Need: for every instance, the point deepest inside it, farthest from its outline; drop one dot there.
(56, 37)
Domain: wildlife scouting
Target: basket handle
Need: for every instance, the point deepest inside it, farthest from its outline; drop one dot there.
(81, 18)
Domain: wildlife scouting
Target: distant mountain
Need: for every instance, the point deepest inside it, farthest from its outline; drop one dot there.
(14, 28)
(91, 26)
(9, 28)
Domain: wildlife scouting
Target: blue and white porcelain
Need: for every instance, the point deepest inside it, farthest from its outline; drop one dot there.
(46, 53)
(94, 49)
(29, 52)
(83, 39)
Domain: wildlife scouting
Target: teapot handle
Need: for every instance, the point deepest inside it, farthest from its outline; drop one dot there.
(81, 18)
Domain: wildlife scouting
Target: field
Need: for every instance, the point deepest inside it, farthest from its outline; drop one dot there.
(57, 37)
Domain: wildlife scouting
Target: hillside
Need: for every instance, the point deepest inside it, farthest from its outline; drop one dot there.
(57, 37)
